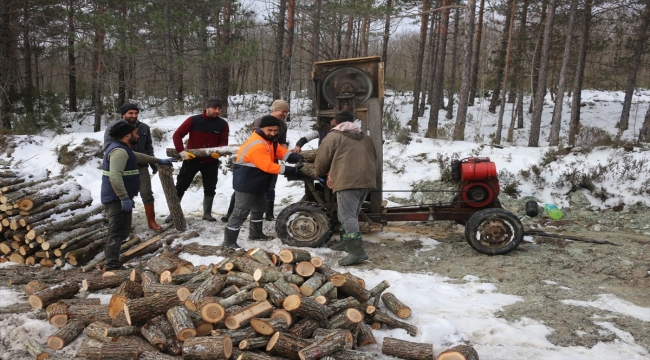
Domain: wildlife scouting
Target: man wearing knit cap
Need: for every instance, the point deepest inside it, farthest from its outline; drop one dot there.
(255, 166)
(205, 130)
(120, 184)
(129, 112)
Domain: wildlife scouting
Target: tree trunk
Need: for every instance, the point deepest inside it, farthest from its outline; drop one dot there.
(386, 35)
(288, 51)
(533, 140)
(279, 42)
(169, 65)
(463, 94)
(504, 85)
(642, 36)
(477, 53)
(27, 57)
(452, 80)
(223, 72)
(537, 57)
(348, 36)
(424, 23)
(315, 43)
(500, 61)
(100, 34)
(574, 122)
(72, 66)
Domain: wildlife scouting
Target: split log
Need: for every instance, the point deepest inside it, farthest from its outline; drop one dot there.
(382, 317)
(395, 306)
(155, 289)
(306, 307)
(259, 342)
(237, 335)
(205, 152)
(342, 304)
(260, 308)
(284, 315)
(36, 350)
(207, 348)
(65, 335)
(159, 332)
(305, 269)
(304, 328)
(377, 291)
(268, 326)
(348, 320)
(119, 351)
(121, 331)
(89, 349)
(286, 346)
(166, 173)
(459, 352)
(407, 349)
(34, 286)
(334, 342)
(267, 275)
(97, 331)
(153, 355)
(260, 256)
(209, 287)
(89, 313)
(347, 284)
(290, 256)
(57, 313)
(275, 295)
(365, 336)
(138, 311)
(312, 284)
(45, 297)
(126, 291)
(181, 322)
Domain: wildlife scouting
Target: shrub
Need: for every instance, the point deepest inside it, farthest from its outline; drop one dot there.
(403, 136)
(158, 135)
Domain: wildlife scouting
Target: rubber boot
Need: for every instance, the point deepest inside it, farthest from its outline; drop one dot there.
(207, 208)
(356, 254)
(151, 217)
(340, 246)
(230, 238)
(169, 217)
(256, 233)
(231, 207)
(269, 210)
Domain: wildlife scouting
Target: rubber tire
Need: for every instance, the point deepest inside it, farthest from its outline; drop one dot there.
(318, 214)
(481, 216)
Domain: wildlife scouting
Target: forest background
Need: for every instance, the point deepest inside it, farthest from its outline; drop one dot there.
(62, 61)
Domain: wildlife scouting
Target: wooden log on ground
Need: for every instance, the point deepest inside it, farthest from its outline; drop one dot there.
(138, 311)
(347, 284)
(23, 221)
(260, 308)
(141, 343)
(34, 286)
(181, 322)
(121, 331)
(267, 274)
(365, 336)
(45, 297)
(234, 299)
(568, 237)
(65, 239)
(268, 326)
(97, 331)
(342, 304)
(377, 291)
(276, 297)
(126, 291)
(207, 348)
(305, 269)
(292, 255)
(306, 307)
(98, 283)
(237, 335)
(240, 278)
(159, 332)
(166, 173)
(65, 335)
(57, 313)
(304, 328)
(316, 261)
(152, 355)
(209, 287)
(286, 346)
(284, 315)
(89, 349)
(407, 349)
(81, 256)
(155, 289)
(294, 279)
(348, 320)
(119, 351)
(79, 216)
(36, 350)
(209, 309)
(312, 284)
(99, 260)
(323, 290)
(205, 152)
(459, 352)
(382, 317)
(42, 196)
(334, 342)
(350, 355)
(247, 265)
(259, 342)
(94, 238)
(285, 287)
(142, 248)
(89, 313)
(395, 306)
(260, 256)
(166, 261)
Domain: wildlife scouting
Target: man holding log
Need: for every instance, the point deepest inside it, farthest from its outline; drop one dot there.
(255, 166)
(120, 184)
(345, 162)
(205, 130)
(130, 113)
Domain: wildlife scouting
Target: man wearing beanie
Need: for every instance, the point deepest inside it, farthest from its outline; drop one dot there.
(345, 161)
(256, 165)
(205, 130)
(120, 184)
(129, 112)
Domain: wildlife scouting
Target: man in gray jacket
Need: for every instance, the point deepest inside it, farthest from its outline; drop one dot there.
(345, 162)
(144, 145)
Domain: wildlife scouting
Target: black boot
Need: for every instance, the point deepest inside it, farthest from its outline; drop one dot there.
(269, 210)
(356, 254)
(256, 232)
(230, 238)
(207, 208)
(231, 207)
(340, 246)
(169, 217)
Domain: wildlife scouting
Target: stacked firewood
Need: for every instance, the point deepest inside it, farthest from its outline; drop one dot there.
(48, 221)
(252, 305)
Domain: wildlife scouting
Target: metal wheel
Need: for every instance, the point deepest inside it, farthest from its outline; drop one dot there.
(304, 224)
(494, 231)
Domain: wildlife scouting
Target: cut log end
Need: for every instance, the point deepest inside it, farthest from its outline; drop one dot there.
(404, 313)
(321, 299)
(292, 302)
(212, 312)
(35, 302)
(259, 294)
(56, 343)
(59, 320)
(186, 334)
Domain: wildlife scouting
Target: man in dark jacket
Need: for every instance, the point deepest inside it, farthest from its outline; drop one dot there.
(130, 113)
(205, 130)
(345, 161)
(120, 184)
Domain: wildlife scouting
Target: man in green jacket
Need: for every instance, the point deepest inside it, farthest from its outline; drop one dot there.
(345, 162)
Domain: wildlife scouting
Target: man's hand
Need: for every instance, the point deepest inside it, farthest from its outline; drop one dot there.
(167, 161)
(294, 158)
(215, 155)
(292, 171)
(296, 149)
(154, 168)
(322, 179)
(127, 205)
(186, 155)
(329, 182)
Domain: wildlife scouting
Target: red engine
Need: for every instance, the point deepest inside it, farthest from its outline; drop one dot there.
(479, 183)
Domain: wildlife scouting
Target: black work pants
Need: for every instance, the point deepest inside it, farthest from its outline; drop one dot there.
(189, 169)
(119, 228)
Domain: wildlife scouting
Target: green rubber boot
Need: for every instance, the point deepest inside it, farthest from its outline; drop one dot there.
(356, 254)
(340, 246)
(230, 238)
(207, 208)
(256, 232)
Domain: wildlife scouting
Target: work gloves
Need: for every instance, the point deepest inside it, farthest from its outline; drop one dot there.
(154, 168)
(293, 170)
(186, 155)
(322, 179)
(167, 161)
(215, 155)
(294, 158)
(127, 205)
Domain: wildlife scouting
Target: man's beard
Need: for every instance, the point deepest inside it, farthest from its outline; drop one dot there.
(133, 141)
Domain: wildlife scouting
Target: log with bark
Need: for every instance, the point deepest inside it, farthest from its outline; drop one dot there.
(166, 173)
(259, 342)
(286, 346)
(36, 350)
(247, 265)
(407, 349)
(395, 306)
(205, 152)
(121, 331)
(291, 255)
(138, 311)
(206, 348)
(154, 355)
(57, 313)
(181, 321)
(166, 261)
(65, 335)
(155, 289)
(237, 335)
(377, 291)
(34, 286)
(159, 332)
(79, 216)
(97, 331)
(94, 283)
(126, 291)
(23, 221)
(305, 269)
(348, 285)
(312, 284)
(568, 237)
(89, 349)
(334, 342)
(209, 287)
(82, 255)
(45, 297)
(260, 256)
(365, 336)
(382, 317)
(89, 313)
(348, 319)
(59, 238)
(268, 326)
(260, 308)
(459, 352)
(306, 307)
(276, 297)
(284, 315)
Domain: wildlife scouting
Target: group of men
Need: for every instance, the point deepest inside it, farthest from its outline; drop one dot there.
(345, 162)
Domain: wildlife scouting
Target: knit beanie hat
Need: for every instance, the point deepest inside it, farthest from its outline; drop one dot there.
(269, 120)
(213, 103)
(280, 105)
(344, 116)
(121, 129)
(128, 106)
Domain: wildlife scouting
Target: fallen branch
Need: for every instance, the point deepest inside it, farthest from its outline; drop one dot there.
(568, 237)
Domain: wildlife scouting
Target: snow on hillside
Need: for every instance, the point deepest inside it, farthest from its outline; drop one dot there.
(459, 311)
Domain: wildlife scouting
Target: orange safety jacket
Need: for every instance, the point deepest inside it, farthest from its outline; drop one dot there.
(256, 163)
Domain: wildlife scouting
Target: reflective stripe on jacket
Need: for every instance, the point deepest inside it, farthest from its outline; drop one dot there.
(131, 175)
(256, 164)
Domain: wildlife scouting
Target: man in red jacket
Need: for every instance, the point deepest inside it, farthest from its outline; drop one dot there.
(205, 130)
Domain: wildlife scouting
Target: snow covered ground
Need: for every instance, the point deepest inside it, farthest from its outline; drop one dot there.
(446, 311)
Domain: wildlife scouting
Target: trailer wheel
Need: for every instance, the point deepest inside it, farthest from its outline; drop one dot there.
(304, 224)
(494, 231)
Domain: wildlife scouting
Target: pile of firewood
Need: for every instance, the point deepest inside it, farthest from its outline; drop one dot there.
(48, 221)
(252, 305)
